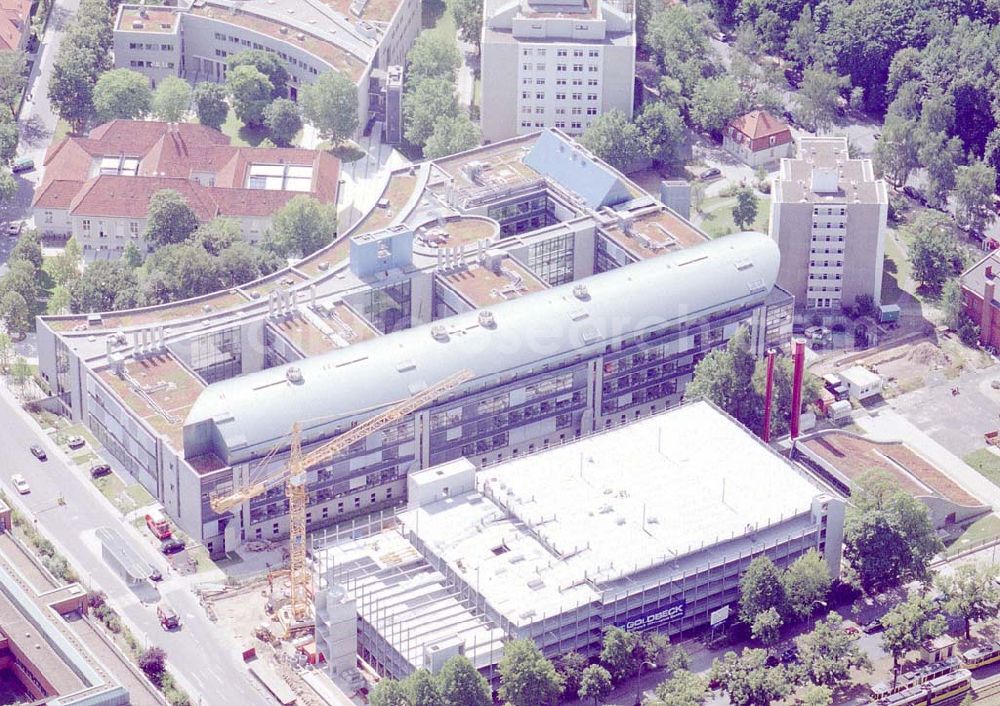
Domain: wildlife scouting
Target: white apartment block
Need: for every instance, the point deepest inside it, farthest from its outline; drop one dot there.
(828, 216)
(194, 40)
(554, 64)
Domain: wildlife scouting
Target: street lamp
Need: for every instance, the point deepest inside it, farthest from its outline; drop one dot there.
(638, 680)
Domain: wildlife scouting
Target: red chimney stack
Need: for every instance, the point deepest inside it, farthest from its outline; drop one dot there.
(799, 361)
(768, 397)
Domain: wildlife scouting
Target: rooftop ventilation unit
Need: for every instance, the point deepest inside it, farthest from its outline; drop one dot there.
(294, 375)
(439, 332)
(580, 291)
(486, 319)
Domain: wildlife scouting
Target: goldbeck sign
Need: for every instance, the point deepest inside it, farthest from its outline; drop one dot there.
(656, 617)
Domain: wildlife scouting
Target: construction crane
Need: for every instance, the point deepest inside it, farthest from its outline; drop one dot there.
(293, 475)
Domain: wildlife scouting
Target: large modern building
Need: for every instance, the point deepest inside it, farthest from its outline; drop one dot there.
(555, 63)
(578, 301)
(828, 216)
(558, 545)
(98, 188)
(360, 39)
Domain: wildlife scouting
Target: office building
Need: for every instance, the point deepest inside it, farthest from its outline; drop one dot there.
(360, 39)
(828, 217)
(554, 63)
(578, 301)
(559, 545)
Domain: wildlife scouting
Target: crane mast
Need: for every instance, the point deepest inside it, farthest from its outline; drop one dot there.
(294, 475)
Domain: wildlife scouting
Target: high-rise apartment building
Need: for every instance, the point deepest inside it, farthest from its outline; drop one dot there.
(828, 216)
(555, 63)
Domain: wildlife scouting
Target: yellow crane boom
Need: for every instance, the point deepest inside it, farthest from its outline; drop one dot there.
(294, 476)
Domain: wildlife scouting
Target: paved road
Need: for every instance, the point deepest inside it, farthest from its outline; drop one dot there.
(206, 660)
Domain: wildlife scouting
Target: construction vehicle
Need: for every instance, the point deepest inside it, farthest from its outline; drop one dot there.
(294, 475)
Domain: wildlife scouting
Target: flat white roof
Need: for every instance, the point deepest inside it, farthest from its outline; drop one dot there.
(860, 376)
(548, 530)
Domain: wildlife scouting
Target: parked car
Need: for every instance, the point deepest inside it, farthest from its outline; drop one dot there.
(710, 173)
(20, 484)
(100, 470)
(76, 442)
(172, 546)
(158, 524)
(154, 574)
(38, 452)
(872, 626)
(14, 229)
(24, 164)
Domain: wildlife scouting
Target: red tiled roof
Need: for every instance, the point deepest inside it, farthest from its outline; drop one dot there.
(168, 157)
(13, 22)
(759, 123)
(57, 193)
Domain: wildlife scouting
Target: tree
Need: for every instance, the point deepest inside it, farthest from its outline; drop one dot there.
(683, 688)
(895, 154)
(433, 55)
(613, 138)
(939, 155)
(131, 255)
(933, 251)
(389, 692)
(104, 286)
(169, 219)
(570, 668)
(678, 39)
(153, 663)
(241, 263)
(761, 589)
(451, 135)
(662, 131)
(251, 92)
(13, 65)
(283, 121)
(71, 86)
(595, 683)
(766, 627)
(424, 103)
(172, 99)
(462, 685)
(888, 535)
(907, 625)
(303, 225)
(725, 378)
(266, 63)
(620, 652)
(9, 137)
(819, 97)
(800, 46)
(20, 372)
(974, 189)
(745, 210)
(828, 654)
(817, 696)
(6, 350)
(59, 301)
(807, 583)
(122, 94)
(22, 277)
(331, 105)
(971, 592)
(66, 266)
(15, 314)
(951, 303)
(423, 689)
(715, 102)
(178, 271)
(526, 677)
(217, 234)
(468, 16)
(28, 249)
(210, 104)
(8, 187)
(747, 679)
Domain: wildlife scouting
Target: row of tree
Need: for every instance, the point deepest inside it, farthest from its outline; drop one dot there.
(432, 118)
(84, 54)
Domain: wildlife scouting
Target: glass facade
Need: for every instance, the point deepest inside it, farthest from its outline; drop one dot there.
(523, 214)
(608, 255)
(387, 308)
(62, 373)
(552, 260)
(218, 355)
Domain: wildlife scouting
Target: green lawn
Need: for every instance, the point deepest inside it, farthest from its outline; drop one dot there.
(896, 272)
(979, 532)
(987, 463)
(718, 216)
(242, 136)
(62, 129)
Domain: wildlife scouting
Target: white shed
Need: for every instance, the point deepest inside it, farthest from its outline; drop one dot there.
(861, 382)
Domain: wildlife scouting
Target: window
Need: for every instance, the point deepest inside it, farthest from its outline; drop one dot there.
(539, 67)
(541, 52)
(539, 81)
(133, 228)
(591, 81)
(560, 111)
(577, 96)
(578, 82)
(526, 52)
(578, 52)
(560, 82)
(86, 225)
(526, 67)
(525, 81)
(48, 216)
(593, 54)
(524, 95)
(560, 67)
(592, 68)
(577, 111)
(526, 109)
(560, 123)
(540, 96)
(592, 96)
(560, 96)
(577, 126)
(525, 123)
(591, 111)
(578, 67)
(539, 110)
(561, 52)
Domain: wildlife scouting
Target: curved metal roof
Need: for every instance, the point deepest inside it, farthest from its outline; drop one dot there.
(255, 410)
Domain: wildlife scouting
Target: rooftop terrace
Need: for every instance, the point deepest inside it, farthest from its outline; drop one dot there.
(162, 20)
(654, 233)
(481, 285)
(159, 389)
(335, 326)
(397, 192)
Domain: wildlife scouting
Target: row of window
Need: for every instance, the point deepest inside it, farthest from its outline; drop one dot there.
(561, 124)
(222, 53)
(540, 110)
(151, 64)
(592, 82)
(539, 51)
(133, 226)
(592, 68)
(150, 47)
(526, 95)
(829, 211)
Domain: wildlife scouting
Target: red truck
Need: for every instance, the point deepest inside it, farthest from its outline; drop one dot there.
(158, 525)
